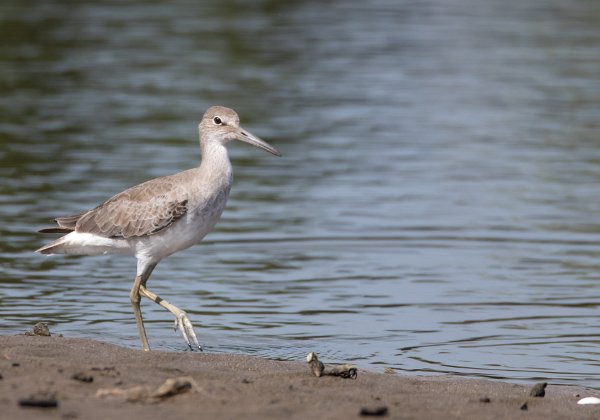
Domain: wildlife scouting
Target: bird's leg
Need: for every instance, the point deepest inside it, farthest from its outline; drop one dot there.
(181, 320)
(135, 298)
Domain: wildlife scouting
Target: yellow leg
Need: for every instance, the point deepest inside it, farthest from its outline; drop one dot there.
(134, 297)
(181, 320)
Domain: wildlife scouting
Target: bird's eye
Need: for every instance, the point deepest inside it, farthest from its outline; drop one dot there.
(217, 121)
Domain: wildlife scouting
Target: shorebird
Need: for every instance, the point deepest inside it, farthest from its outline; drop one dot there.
(159, 217)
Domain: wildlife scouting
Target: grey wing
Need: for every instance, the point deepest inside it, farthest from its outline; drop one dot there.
(142, 210)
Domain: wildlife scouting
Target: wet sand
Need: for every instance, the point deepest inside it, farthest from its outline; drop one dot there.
(94, 380)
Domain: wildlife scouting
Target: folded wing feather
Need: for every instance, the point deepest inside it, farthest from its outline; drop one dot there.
(142, 210)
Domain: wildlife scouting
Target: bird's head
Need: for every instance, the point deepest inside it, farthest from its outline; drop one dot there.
(222, 124)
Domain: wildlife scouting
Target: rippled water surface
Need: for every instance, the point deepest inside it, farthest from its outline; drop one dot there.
(437, 208)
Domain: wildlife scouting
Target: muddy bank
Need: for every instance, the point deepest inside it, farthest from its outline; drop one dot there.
(55, 377)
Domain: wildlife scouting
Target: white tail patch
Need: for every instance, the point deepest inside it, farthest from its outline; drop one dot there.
(76, 243)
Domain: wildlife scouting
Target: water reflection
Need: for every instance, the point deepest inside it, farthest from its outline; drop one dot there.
(435, 209)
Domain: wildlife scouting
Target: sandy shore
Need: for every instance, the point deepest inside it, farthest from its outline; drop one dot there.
(95, 380)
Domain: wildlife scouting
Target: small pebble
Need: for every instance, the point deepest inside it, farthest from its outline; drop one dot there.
(315, 364)
(524, 406)
(41, 328)
(344, 371)
(377, 411)
(42, 400)
(82, 377)
(589, 400)
(538, 389)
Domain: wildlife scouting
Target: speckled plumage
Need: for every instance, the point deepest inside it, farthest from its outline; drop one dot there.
(142, 210)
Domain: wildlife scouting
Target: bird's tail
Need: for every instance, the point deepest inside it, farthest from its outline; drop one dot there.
(55, 247)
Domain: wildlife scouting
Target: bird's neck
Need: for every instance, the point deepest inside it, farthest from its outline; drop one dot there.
(215, 162)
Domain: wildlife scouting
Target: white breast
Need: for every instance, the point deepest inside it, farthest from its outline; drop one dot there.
(200, 219)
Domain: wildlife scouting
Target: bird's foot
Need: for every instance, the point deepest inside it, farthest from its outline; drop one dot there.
(187, 330)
